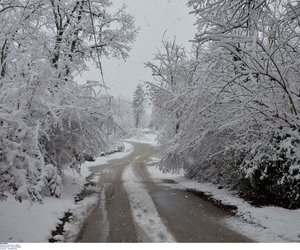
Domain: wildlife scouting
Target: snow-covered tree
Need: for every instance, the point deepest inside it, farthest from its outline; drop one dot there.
(43, 45)
(138, 104)
(255, 60)
(230, 107)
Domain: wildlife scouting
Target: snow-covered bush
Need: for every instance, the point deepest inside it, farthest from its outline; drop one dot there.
(213, 160)
(23, 171)
(272, 167)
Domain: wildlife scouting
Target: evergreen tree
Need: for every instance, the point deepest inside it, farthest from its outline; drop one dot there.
(138, 104)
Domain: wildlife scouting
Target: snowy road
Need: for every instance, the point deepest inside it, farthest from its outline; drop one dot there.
(133, 207)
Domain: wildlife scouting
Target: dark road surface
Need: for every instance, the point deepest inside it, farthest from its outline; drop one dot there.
(187, 217)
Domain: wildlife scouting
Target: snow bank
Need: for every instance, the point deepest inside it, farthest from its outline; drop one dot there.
(33, 222)
(265, 224)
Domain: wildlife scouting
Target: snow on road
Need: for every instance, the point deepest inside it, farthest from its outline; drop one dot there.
(85, 167)
(103, 160)
(147, 136)
(144, 211)
(263, 224)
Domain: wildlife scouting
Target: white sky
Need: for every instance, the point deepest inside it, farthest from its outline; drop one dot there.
(153, 17)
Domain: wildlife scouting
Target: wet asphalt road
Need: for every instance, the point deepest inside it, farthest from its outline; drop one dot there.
(187, 217)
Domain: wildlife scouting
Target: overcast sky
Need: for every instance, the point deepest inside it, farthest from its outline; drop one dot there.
(154, 17)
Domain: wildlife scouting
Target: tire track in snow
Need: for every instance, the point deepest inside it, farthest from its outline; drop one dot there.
(104, 224)
(144, 211)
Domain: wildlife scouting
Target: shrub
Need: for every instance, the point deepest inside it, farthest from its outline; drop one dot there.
(22, 169)
(272, 168)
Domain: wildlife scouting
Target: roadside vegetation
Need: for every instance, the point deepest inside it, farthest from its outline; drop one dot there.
(49, 122)
(228, 111)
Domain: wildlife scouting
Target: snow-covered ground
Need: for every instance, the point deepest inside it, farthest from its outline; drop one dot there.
(33, 222)
(265, 224)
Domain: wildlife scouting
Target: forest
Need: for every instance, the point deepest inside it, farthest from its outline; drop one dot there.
(227, 111)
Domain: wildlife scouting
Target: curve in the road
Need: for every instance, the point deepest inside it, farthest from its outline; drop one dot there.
(136, 209)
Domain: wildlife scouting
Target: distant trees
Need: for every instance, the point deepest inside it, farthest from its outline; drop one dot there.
(48, 121)
(138, 104)
(232, 106)
(122, 113)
